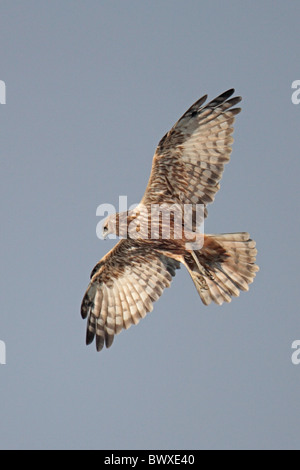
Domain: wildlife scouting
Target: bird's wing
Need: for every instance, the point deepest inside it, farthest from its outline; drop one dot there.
(123, 286)
(189, 160)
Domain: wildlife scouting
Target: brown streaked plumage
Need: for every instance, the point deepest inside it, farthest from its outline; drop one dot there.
(187, 167)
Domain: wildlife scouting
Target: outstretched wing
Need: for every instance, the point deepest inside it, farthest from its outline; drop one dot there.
(123, 286)
(189, 160)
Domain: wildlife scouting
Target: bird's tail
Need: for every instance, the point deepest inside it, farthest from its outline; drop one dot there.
(224, 266)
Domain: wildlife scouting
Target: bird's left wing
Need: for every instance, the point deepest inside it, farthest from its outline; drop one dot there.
(123, 286)
(189, 160)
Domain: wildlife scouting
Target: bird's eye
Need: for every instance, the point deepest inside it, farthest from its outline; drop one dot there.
(105, 228)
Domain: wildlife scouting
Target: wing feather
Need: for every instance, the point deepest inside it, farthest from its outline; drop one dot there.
(189, 160)
(123, 286)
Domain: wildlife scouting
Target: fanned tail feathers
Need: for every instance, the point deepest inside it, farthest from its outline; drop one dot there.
(228, 262)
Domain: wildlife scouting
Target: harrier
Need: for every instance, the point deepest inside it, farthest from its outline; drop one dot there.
(187, 167)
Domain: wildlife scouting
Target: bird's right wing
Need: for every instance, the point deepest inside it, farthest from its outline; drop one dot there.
(123, 286)
(189, 160)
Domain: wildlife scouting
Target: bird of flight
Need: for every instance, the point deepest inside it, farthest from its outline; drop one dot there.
(187, 167)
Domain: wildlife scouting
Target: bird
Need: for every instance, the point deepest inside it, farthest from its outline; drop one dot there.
(187, 167)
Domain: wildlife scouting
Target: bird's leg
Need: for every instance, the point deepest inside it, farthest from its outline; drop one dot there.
(201, 269)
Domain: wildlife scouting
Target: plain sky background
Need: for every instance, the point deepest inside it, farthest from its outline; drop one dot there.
(91, 88)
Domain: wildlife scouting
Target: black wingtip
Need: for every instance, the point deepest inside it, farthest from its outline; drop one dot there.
(89, 337)
(224, 97)
(109, 339)
(85, 305)
(99, 342)
(227, 93)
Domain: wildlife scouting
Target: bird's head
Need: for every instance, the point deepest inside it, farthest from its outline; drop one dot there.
(115, 224)
(109, 226)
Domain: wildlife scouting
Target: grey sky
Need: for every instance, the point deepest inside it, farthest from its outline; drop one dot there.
(91, 88)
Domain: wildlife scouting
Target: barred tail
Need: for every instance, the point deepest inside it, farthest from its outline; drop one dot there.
(223, 267)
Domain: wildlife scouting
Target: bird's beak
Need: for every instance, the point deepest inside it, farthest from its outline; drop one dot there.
(104, 235)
